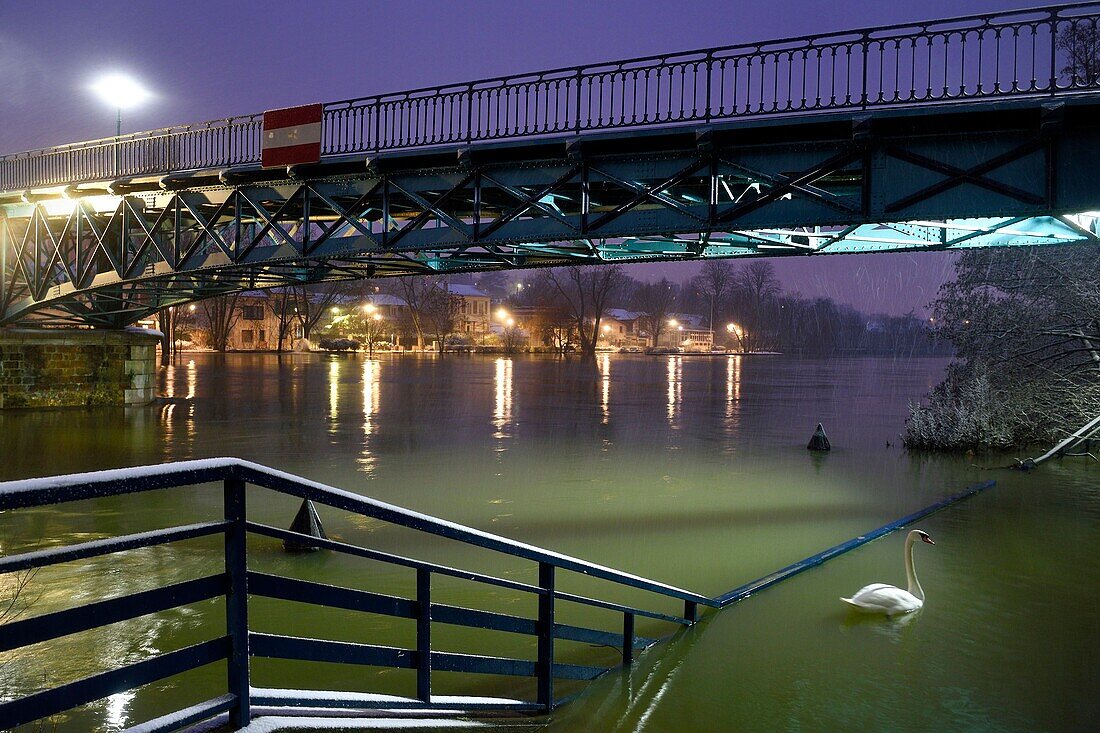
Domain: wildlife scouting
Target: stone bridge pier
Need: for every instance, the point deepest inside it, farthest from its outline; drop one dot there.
(61, 367)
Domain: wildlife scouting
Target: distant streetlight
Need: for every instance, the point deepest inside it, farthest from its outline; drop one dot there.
(120, 92)
(674, 323)
(368, 308)
(502, 314)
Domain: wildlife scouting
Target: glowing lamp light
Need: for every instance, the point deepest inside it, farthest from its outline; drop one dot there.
(120, 92)
(502, 314)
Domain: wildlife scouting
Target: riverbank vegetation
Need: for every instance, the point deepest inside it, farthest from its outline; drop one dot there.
(1025, 327)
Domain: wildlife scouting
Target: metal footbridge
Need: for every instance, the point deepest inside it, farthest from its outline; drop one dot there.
(980, 131)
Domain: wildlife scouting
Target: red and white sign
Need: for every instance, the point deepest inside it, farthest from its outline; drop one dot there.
(291, 136)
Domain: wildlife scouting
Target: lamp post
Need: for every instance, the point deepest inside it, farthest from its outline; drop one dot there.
(120, 92)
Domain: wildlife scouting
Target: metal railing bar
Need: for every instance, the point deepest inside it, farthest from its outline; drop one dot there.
(412, 119)
(48, 626)
(346, 652)
(108, 545)
(600, 638)
(63, 697)
(73, 487)
(573, 598)
(346, 500)
(186, 717)
(331, 596)
(477, 664)
(747, 48)
(274, 646)
(301, 591)
(744, 591)
(349, 549)
(113, 482)
(477, 619)
(275, 697)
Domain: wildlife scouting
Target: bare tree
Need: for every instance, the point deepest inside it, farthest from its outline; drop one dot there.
(15, 598)
(417, 293)
(714, 282)
(656, 301)
(282, 303)
(1079, 44)
(440, 311)
(586, 292)
(221, 314)
(756, 291)
(313, 301)
(166, 322)
(1025, 327)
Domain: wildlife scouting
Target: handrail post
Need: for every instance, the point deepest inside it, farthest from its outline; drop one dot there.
(544, 667)
(423, 634)
(1054, 53)
(236, 602)
(691, 611)
(628, 639)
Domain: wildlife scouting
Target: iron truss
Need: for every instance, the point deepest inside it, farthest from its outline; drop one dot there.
(997, 174)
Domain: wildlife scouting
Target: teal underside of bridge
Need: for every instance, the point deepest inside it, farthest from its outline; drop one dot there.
(935, 178)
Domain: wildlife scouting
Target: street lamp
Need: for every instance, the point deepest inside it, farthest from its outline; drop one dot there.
(120, 92)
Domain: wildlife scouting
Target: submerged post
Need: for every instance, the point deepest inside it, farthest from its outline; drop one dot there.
(628, 639)
(819, 441)
(544, 667)
(236, 602)
(423, 634)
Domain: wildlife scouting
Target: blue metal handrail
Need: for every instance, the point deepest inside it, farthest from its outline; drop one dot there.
(239, 644)
(994, 55)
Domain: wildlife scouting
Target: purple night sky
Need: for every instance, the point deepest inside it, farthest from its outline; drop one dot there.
(206, 60)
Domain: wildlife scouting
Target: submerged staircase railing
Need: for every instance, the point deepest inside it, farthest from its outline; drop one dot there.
(240, 643)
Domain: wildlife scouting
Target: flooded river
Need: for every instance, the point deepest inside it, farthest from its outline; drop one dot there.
(689, 470)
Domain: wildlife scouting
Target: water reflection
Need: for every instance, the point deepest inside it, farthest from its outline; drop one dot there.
(733, 393)
(605, 386)
(502, 388)
(371, 393)
(333, 393)
(675, 387)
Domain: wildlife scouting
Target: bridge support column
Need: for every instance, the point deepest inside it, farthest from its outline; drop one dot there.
(76, 367)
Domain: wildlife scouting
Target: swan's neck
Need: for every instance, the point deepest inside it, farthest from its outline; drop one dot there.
(911, 572)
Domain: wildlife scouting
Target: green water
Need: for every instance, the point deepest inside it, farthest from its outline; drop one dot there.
(692, 471)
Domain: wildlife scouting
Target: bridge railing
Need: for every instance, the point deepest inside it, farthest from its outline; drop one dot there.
(237, 582)
(1043, 51)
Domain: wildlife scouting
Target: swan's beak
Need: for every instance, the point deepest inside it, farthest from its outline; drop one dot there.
(926, 538)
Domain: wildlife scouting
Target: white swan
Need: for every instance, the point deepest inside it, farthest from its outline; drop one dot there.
(888, 599)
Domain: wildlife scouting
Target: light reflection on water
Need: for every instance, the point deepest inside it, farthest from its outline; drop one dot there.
(689, 470)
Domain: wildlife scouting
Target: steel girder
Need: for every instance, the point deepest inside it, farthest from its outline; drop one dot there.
(992, 175)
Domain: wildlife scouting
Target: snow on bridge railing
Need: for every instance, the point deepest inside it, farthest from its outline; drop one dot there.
(1032, 52)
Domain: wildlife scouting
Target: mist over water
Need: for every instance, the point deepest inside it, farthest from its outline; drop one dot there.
(689, 470)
